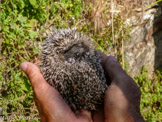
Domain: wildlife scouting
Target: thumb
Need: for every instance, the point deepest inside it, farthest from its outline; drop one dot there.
(112, 68)
(33, 72)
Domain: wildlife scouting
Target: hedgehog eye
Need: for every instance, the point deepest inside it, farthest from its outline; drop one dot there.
(76, 55)
(71, 60)
(87, 53)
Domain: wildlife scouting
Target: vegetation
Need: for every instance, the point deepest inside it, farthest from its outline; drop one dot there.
(151, 89)
(25, 23)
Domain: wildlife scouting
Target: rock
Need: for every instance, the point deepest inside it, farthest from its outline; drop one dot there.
(145, 45)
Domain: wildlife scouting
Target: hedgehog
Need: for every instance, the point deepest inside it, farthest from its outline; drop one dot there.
(70, 64)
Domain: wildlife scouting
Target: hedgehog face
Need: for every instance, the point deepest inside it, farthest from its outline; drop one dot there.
(75, 52)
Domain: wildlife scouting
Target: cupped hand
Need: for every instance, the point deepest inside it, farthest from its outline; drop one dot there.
(121, 102)
(50, 104)
(122, 98)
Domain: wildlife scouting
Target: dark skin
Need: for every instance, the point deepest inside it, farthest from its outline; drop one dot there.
(121, 103)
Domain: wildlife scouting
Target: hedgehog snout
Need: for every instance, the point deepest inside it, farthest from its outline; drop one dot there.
(71, 60)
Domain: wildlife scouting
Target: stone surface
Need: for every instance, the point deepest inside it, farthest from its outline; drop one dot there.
(145, 45)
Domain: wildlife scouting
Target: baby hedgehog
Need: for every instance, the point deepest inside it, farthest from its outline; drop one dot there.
(71, 65)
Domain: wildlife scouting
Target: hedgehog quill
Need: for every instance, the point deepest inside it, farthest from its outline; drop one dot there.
(71, 65)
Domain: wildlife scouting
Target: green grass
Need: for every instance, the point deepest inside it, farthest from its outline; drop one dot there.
(23, 24)
(151, 98)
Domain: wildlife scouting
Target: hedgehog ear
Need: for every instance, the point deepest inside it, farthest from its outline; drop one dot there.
(62, 57)
(80, 44)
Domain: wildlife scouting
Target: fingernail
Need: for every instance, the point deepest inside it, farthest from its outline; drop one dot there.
(23, 67)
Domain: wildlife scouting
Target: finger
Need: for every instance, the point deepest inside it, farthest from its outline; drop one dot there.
(98, 115)
(40, 86)
(83, 115)
(38, 107)
(112, 68)
(118, 76)
(35, 76)
(102, 56)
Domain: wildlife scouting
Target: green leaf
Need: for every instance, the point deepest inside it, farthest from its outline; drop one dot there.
(33, 3)
(32, 34)
(99, 48)
(21, 4)
(22, 19)
(6, 29)
(7, 41)
(23, 87)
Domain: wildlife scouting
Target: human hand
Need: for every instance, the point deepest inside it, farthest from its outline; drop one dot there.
(50, 104)
(122, 98)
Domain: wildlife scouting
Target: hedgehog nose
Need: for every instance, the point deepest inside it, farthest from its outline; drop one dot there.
(71, 60)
